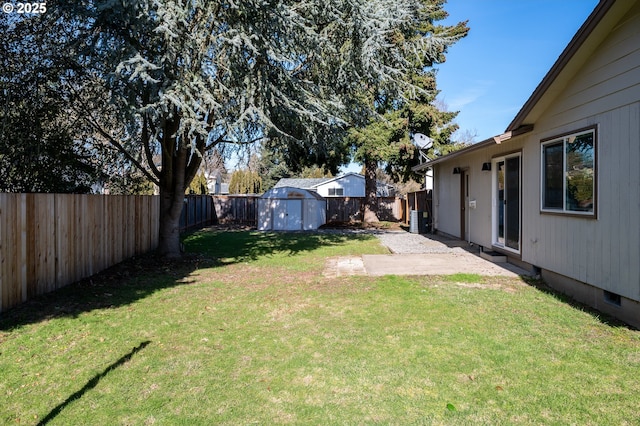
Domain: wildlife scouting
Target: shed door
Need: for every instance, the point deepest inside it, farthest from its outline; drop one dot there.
(287, 215)
(294, 215)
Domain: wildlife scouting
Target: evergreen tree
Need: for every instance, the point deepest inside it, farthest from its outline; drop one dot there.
(272, 167)
(38, 148)
(198, 185)
(245, 182)
(175, 79)
(385, 139)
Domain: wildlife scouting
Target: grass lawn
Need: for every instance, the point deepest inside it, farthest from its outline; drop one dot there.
(248, 331)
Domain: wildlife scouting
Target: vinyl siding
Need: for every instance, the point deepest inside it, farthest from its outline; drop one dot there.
(610, 78)
(447, 198)
(353, 186)
(604, 252)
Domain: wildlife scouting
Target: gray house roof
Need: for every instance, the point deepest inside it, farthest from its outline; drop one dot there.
(308, 183)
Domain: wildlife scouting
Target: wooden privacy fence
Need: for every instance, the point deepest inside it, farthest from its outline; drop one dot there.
(198, 211)
(420, 201)
(345, 209)
(243, 209)
(48, 241)
(236, 209)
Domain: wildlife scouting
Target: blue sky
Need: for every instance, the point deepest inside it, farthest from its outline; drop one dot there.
(512, 44)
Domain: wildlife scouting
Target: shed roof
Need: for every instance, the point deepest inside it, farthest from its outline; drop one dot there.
(288, 192)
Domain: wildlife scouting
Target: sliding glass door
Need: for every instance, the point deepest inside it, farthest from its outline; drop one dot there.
(507, 201)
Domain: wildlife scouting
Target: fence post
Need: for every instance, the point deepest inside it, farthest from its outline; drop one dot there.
(23, 247)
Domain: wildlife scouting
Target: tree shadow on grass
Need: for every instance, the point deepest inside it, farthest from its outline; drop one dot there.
(91, 383)
(230, 247)
(136, 278)
(119, 285)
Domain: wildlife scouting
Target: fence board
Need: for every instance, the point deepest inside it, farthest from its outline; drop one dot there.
(40, 242)
(10, 286)
(347, 209)
(197, 211)
(242, 209)
(236, 209)
(48, 241)
(421, 201)
(140, 237)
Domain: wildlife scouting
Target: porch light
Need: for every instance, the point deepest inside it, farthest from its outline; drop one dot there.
(486, 167)
(456, 170)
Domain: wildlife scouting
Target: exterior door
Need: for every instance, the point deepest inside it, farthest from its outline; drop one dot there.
(287, 215)
(507, 201)
(464, 202)
(294, 215)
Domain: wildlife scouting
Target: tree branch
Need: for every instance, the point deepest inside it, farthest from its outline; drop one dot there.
(88, 117)
(123, 150)
(194, 163)
(146, 141)
(221, 139)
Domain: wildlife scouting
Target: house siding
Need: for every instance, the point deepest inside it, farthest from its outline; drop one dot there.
(447, 193)
(609, 78)
(446, 197)
(581, 256)
(353, 186)
(603, 252)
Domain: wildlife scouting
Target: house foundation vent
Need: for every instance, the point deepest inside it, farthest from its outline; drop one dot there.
(612, 298)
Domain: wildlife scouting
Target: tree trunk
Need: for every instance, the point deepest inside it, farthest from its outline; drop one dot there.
(172, 187)
(179, 167)
(370, 213)
(171, 204)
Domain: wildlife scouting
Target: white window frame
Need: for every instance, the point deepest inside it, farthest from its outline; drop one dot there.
(335, 192)
(495, 204)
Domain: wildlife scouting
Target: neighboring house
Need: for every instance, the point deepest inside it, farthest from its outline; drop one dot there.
(348, 185)
(215, 185)
(559, 191)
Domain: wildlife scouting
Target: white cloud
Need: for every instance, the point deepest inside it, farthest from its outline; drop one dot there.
(470, 94)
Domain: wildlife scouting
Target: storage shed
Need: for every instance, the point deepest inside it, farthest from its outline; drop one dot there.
(291, 209)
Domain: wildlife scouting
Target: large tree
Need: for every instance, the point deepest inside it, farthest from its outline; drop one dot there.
(385, 139)
(38, 148)
(170, 80)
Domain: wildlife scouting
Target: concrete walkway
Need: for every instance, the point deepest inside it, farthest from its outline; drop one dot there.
(416, 254)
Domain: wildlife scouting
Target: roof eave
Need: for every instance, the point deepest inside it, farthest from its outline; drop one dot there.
(565, 57)
(496, 140)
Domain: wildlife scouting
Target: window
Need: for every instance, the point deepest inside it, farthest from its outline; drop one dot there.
(569, 173)
(336, 192)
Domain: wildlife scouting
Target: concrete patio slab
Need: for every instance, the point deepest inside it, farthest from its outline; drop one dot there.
(436, 264)
(420, 254)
